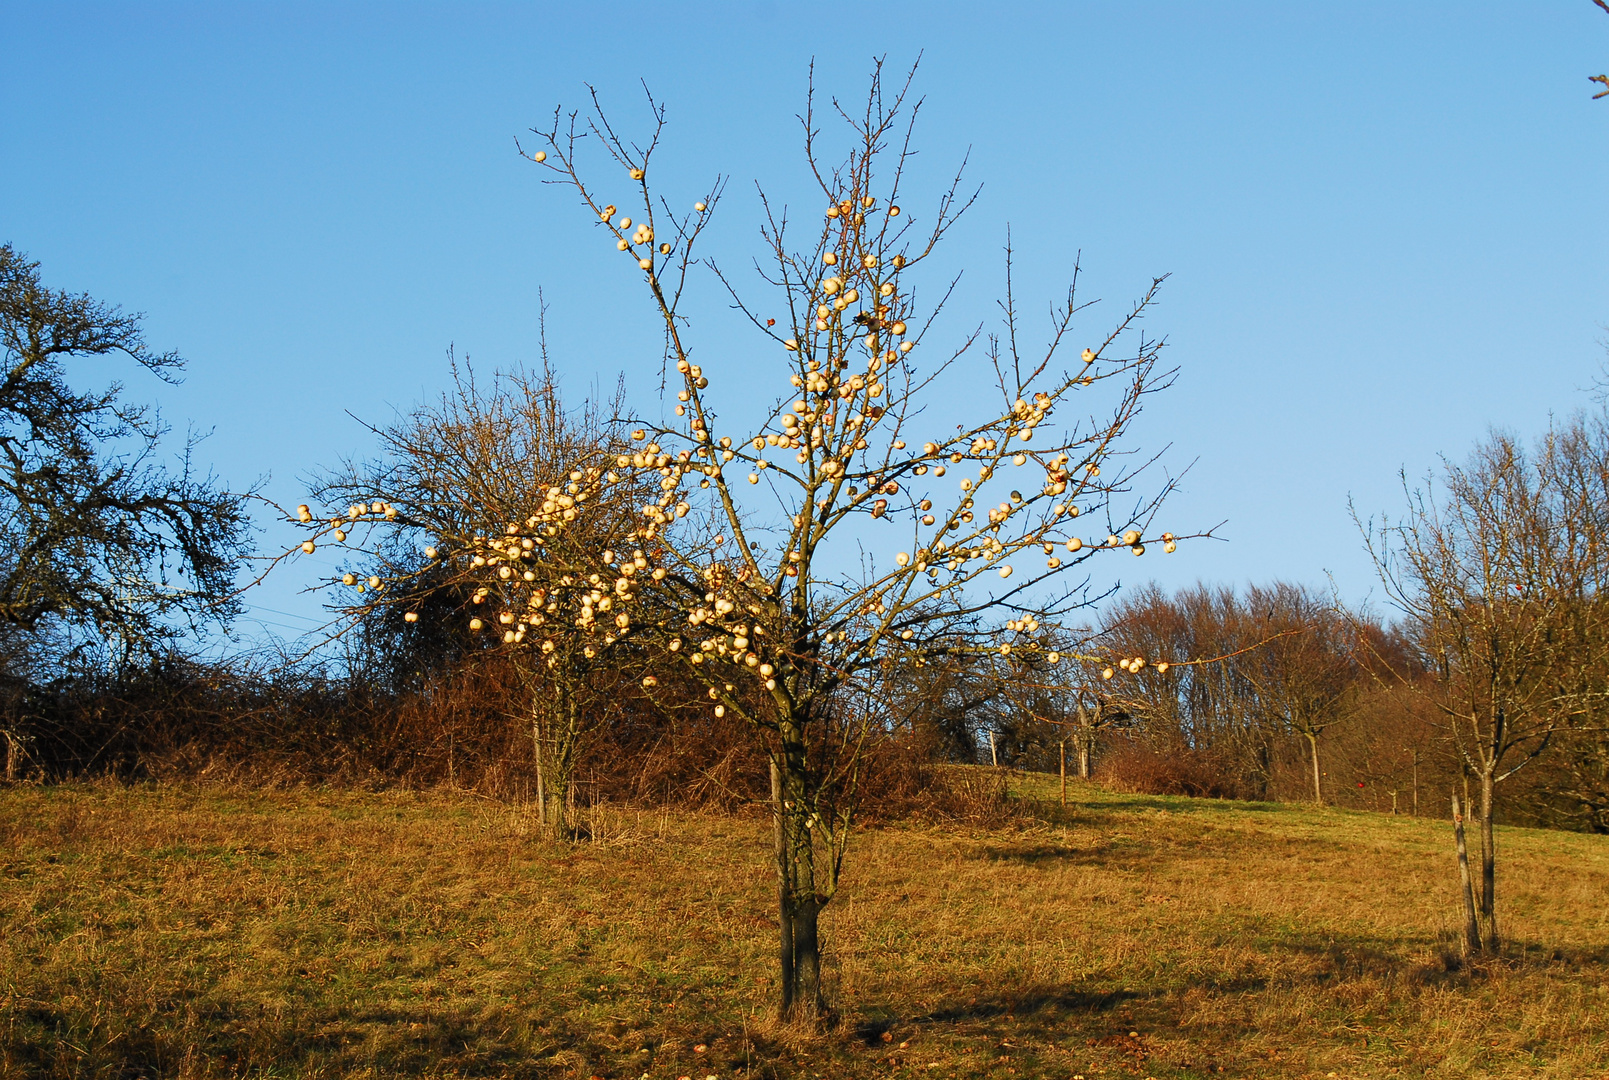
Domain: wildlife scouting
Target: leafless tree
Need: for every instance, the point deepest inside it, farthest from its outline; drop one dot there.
(1499, 570)
(1233, 689)
(96, 536)
(106, 555)
(786, 566)
(1306, 673)
(441, 518)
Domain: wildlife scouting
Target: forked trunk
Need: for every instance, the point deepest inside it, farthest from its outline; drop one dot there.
(1472, 934)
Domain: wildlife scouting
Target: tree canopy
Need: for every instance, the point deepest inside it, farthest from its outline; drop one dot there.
(99, 540)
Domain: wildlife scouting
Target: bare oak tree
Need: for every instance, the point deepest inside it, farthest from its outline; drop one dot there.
(1306, 672)
(96, 534)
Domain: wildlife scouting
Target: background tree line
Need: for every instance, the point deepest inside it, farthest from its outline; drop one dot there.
(1489, 685)
(1311, 702)
(1494, 571)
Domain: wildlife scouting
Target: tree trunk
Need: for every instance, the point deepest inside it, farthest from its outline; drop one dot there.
(1064, 772)
(1472, 934)
(555, 762)
(553, 789)
(784, 909)
(541, 790)
(1083, 756)
(799, 900)
(809, 1006)
(1312, 744)
(555, 815)
(1488, 896)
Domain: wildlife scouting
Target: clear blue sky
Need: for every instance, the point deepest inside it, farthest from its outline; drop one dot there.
(1385, 222)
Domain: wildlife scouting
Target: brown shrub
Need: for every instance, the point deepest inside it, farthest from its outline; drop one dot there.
(1137, 766)
(465, 728)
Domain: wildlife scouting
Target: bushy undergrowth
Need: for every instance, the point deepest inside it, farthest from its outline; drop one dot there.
(178, 720)
(1138, 766)
(463, 726)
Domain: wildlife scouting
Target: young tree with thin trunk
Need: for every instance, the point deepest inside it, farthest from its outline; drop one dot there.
(1499, 573)
(788, 560)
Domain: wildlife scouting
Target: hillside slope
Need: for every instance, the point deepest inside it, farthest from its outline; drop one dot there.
(207, 932)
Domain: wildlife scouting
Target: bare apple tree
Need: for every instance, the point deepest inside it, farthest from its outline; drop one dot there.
(784, 564)
(444, 520)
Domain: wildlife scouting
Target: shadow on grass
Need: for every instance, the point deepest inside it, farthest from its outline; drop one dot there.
(1180, 804)
(46, 1040)
(1428, 959)
(1540, 954)
(1042, 1005)
(1035, 1003)
(1035, 854)
(1336, 957)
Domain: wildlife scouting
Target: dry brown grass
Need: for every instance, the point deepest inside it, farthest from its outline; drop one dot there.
(194, 932)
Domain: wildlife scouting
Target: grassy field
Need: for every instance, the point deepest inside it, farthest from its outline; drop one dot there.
(205, 932)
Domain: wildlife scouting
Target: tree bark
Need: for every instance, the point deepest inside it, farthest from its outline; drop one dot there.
(1488, 896)
(808, 1004)
(1472, 934)
(1318, 790)
(1064, 772)
(541, 790)
(800, 901)
(555, 762)
(784, 909)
